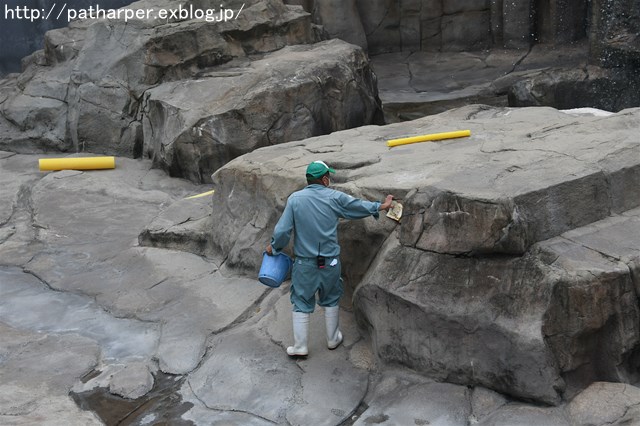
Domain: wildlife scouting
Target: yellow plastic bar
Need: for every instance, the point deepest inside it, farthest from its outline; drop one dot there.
(431, 137)
(204, 194)
(77, 163)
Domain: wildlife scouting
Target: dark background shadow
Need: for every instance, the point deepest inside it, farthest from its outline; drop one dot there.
(19, 36)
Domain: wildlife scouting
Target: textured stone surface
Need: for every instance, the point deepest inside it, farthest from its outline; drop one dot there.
(111, 87)
(184, 225)
(410, 399)
(521, 414)
(132, 382)
(515, 266)
(613, 33)
(607, 89)
(85, 308)
(20, 37)
(118, 306)
(605, 403)
(323, 388)
(561, 304)
(481, 259)
(412, 85)
(428, 25)
(192, 128)
(36, 373)
(340, 19)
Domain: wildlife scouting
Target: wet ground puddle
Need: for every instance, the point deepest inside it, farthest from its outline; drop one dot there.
(29, 304)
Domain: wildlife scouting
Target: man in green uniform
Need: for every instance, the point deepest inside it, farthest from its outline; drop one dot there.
(312, 214)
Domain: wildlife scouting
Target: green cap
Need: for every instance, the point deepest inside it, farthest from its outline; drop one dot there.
(317, 169)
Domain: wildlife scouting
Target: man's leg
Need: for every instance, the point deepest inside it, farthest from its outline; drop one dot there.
(302, 295)
(329, 294)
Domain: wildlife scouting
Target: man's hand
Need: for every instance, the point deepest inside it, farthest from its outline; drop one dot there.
(387, 203)
(269, 250)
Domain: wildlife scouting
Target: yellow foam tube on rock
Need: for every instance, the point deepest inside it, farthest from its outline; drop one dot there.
(431, 137)
(204, 194)
(77, 163)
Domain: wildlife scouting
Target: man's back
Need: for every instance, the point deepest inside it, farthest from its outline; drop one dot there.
(314, 212)
(315, 216)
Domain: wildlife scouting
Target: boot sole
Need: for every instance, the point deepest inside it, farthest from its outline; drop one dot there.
(297, 354)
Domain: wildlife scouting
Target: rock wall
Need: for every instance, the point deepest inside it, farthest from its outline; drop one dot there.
(470, 25)
(190, 94)
(614, 34)
(432, 25)
(429, 25)
(95, 85)
(194, 127)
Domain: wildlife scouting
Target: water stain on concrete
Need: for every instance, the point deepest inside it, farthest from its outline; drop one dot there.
(162, 406)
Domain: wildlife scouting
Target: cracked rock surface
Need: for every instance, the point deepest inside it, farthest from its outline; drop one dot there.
(87, 307)
(516, 256)
(189, 94)
(512, 277)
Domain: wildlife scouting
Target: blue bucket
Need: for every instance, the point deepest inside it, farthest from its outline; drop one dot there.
(274, 269)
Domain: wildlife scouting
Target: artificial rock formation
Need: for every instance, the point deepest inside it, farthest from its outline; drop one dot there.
(385, 26)
(194, 127)
(505, 270)
(88, 310)
(109, 86)
(515, 267)
(527, 53)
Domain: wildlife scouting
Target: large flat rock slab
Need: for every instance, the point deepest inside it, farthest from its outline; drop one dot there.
(481, 257)
(95, 230)
(524, 176)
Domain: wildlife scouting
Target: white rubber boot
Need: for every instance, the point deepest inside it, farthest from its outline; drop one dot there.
(300, 333)
(332, 320)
